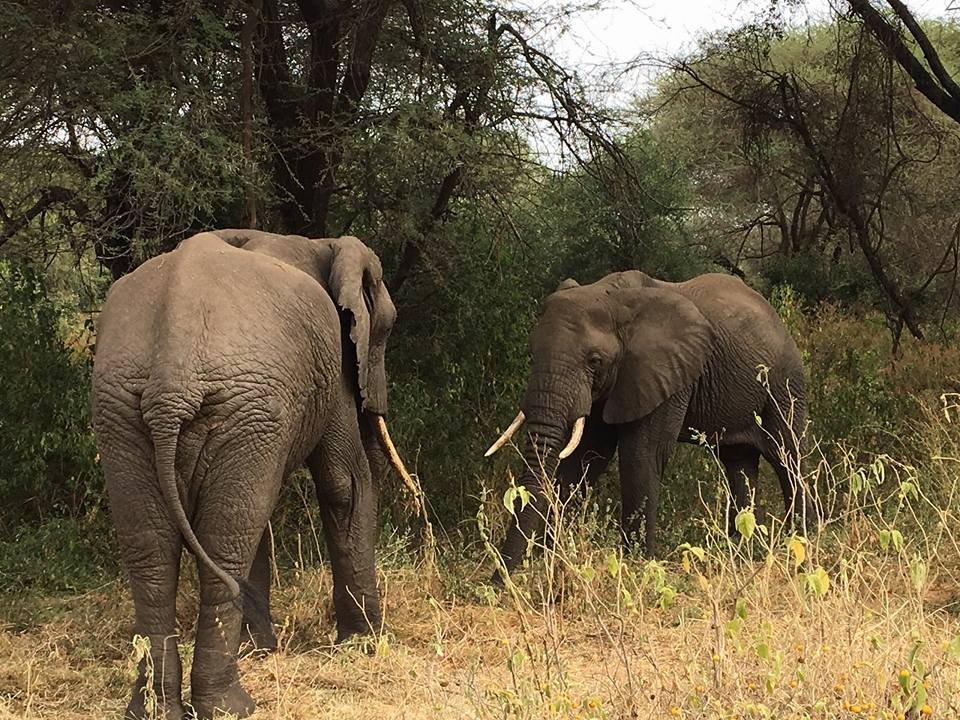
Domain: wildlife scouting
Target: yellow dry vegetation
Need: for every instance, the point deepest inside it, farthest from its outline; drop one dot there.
(860, 619)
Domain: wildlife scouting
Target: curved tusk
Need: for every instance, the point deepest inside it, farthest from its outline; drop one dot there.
(575, 438)
(507, 434)
(395, 456)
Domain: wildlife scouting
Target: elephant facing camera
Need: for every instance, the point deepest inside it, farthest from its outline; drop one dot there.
(628, 365)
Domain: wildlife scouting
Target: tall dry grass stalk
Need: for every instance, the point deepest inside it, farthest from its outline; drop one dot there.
(858, 620)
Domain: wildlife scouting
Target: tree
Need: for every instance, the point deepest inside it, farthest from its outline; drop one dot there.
(930, 76)
(834, 155)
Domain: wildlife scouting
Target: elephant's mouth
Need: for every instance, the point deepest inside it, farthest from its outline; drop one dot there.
(576, 435)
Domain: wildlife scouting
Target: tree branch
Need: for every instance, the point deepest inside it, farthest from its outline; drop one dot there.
(49, 196)
(943, 95)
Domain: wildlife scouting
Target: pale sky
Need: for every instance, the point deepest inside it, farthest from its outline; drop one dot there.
(619, 31)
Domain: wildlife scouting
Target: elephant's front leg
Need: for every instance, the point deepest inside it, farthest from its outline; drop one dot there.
(348, 505)
(645, 447)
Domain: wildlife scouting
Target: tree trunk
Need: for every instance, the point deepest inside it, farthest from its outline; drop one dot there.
(246, 107)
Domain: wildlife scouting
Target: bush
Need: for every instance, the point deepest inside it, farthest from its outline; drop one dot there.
(48, 465)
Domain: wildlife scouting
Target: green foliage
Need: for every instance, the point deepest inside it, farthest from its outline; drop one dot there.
(458, 362)
(48, 466)
(60, 555)
(623, 215)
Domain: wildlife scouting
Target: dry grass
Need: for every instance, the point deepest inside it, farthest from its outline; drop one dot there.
(853, 623)
(792, 656)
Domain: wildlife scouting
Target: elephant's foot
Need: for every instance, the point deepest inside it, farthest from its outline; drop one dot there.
(357, 635)
(257, 639)
(137, 709)
(233, 701)
(163, 703)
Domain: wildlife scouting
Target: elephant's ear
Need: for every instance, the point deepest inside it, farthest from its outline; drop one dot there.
(666, 341)
(566, 284)
(356, 285)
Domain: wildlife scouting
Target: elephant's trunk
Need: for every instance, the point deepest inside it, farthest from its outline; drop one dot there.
(555, 405)
(541, 458)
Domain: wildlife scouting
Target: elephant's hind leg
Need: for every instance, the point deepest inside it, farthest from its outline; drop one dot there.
(741, 464)
(233, 508)
(783, 424)
(150, 547)
(257, 632)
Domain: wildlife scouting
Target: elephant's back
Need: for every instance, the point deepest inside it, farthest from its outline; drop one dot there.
(218, 321)
(739, 315)
(752, 350)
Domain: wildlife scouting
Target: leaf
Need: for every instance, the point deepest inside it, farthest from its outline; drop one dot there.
(762, 650)
(613, 565)
(918, 572)
(818, 581)
(746, 523)
(508, 497)
(797, 547)
(524, 495)
(857, 482)
(914, 651)
(897, 537)
(908, 488)
(667, 594)
(763, 375)
(879, 470)
(921, 695)
(732, 627)
(697, 551)
(741, 609)
(884, 539)
(953, 648)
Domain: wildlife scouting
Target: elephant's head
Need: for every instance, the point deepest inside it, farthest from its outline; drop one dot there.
(608, 352)
(352, 275)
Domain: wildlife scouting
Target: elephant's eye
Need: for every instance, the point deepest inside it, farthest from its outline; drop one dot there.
(594, 361)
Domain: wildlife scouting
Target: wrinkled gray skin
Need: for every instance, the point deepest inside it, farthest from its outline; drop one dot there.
(220, 368)
(645, 361)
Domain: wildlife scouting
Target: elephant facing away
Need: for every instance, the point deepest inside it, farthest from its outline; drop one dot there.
(220, 367)
(633, 364)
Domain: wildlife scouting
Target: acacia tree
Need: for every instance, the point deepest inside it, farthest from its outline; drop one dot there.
(896, 34)
(836, 152)
(448, 91)
(117, 134)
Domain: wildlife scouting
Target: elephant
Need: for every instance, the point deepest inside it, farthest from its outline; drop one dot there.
(632, 364)
(220, 367)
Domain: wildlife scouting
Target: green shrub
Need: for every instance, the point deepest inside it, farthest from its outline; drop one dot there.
(48, 464)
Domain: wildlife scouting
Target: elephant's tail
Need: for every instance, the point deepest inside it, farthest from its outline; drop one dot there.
(165, 436)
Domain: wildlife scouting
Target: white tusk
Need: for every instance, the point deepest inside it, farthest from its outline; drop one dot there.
(507, 434)
(575, 438)
(395, 456)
